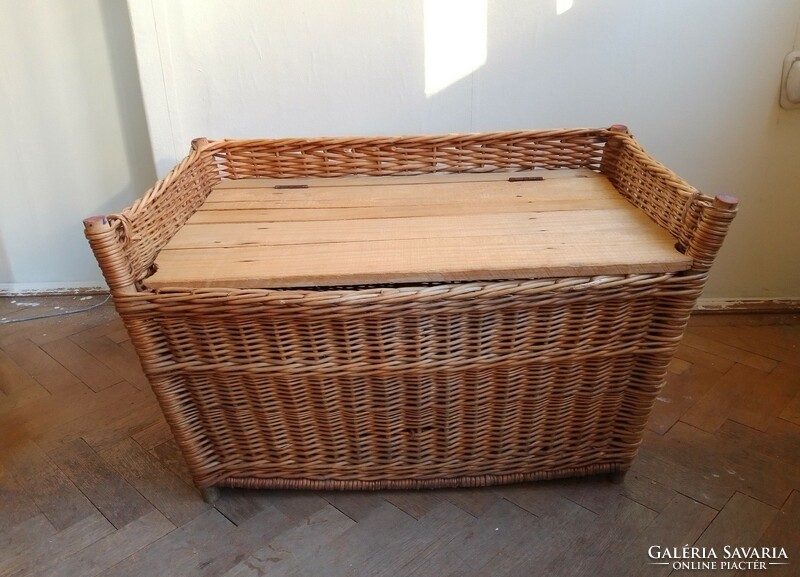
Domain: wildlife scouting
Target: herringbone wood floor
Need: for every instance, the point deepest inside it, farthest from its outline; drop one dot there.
(93, 484)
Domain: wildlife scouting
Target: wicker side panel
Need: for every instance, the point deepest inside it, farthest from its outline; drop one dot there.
(647, 184)
(698, 222)
(330, 157)
(151, 222)
(512, 384)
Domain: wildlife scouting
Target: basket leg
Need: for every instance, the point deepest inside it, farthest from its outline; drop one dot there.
(210, 494)
(618, 477)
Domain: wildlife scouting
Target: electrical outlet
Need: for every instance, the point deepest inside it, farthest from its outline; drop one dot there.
(790, 81)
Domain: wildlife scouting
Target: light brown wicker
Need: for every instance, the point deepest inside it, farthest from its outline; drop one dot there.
(458, 384)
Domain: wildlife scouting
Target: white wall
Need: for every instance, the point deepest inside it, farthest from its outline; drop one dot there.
(74, 137)
(696, 80)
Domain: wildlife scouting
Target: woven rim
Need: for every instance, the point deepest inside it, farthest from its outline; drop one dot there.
(407, 484)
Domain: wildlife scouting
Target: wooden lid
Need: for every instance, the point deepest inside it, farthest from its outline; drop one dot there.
(374, 230)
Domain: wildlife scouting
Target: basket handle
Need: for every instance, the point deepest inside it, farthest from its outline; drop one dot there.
(712, 227)
(109, 251)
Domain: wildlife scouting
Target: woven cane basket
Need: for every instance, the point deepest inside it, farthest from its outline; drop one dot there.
(397, 386)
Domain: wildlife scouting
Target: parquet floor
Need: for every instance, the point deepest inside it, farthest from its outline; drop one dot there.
(91, 482)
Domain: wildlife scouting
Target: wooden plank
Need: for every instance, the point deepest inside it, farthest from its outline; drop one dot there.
(740, 356)
(682, 521)
(16, 386)
(680, 477)
(741, 523)
(724, 464)
(111, 549)
(541, 499)
(596, 494)
(678, 366)
(491, 257)
(478, 544)
(297, 505)
(230, 547)
(619, 525)
(355, 504)
(44, 419)
(170, 456)
(565, 527)
(679, 394)
(16, 539)
(117, 500)
(476, 501)
(37, 363)
(51, 329)
(96, 375)
(239, 505)
(129, 346)
(770, 397)
(413, 503)
(408, 201)
(322, 216)
(111, 326)
(102, 423)
(780, 442)
(36, 413)
(42, 553)
(119, 336)
(783, 532)
(371, 538)
(122, 361)
(157, 433)
(546, 499)
(349, 181)
(426, 191)
(746, 395)
(760, 340)
(177, 501)
(180, 552)
(293, 548)
(703, 359)
(791, 411)
(116, 424)
(331, 209)
(548, 228)
(711, 411)
(496, 197)
(208, 546)
(49, 488)
(647, 492)
(15, 504)
(771, 322)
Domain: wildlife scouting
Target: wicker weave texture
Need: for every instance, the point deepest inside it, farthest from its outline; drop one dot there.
(420, 386)
(454, 387)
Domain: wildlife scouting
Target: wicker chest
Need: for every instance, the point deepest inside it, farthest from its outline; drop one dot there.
(410, 312)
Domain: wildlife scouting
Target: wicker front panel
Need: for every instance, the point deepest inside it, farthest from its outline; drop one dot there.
(424, 425)
(481, 382)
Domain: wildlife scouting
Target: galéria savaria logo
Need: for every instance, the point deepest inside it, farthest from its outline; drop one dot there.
(729, 557)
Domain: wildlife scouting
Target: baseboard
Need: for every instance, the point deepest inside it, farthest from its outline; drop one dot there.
(704, 305)
(51, 289)
(747, 305)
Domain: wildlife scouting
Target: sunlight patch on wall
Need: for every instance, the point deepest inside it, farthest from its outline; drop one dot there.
(455, 41)
(562, 6)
